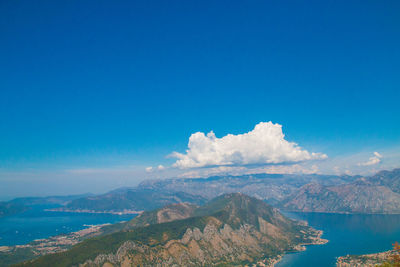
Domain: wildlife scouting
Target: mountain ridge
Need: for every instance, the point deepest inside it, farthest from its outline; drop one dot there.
(231, 229)
(379, 193)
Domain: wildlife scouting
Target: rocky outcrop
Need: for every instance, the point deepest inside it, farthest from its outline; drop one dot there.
(361, 196)
(216, 243)
(175, 212)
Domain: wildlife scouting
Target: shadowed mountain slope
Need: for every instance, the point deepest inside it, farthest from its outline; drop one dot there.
(375, 194)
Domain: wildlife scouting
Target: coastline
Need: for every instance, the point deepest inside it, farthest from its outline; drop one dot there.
(271, 262)
(61, 240)
(268, 262)
(366, 260)
(40, 247)
(341, 212)
(123, 212)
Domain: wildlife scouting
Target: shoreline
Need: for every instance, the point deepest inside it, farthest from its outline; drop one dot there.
(39, 247)
(366, 260)
(87, 230)
(318, 240)
(338, 212)
(124, 212)
(269, 262)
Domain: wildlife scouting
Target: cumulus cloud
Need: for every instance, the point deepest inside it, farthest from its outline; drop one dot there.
(160, 167)
(265, 144)
(372, 160)
(153, 169)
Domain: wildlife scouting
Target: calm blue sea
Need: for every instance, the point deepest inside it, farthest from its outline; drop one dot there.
(37, 223)
(347, 234)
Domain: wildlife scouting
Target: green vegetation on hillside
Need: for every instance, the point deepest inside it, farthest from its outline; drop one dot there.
(132, 199)
(394, 260)
(234, 210)
(89, 249)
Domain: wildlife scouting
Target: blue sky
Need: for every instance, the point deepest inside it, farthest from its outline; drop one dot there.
(116, 86)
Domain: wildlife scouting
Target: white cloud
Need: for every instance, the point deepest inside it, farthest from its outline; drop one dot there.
(348, 172)
(160, 167)
(265, 144)
(155, 169)
(149, 169)
(372, 160)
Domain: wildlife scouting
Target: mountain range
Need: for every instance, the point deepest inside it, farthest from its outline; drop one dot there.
(379, 193)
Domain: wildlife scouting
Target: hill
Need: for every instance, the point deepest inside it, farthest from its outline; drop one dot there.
(131, 200)
(233, 229)
(10, 208)
(22, 204)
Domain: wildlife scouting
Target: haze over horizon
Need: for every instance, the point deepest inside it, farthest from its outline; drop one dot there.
(99, 95)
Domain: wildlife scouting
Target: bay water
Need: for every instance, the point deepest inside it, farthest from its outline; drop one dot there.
(37, 223)
(347, 234)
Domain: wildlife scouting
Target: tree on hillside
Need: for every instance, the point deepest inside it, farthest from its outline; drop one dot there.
(394, 258)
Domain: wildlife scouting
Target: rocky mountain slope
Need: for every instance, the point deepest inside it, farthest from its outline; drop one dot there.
(375, 194)
(272, 188)
(390, 179)
(233, 229)
(153, 194)
(379, 193)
